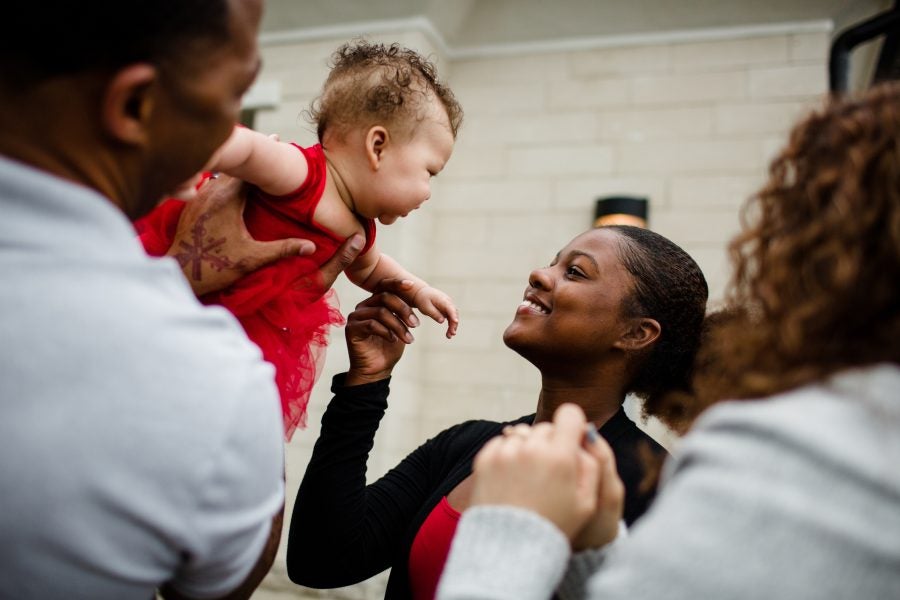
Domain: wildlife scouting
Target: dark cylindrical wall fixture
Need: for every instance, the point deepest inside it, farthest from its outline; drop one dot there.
(620, 210)
(839, 56)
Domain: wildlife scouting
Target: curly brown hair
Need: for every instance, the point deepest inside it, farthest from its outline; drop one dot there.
(373, 83)
(817, 265)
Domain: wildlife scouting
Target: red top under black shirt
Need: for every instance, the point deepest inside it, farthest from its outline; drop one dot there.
(430, 549)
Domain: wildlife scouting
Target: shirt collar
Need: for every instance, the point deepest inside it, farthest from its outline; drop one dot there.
(44, 212)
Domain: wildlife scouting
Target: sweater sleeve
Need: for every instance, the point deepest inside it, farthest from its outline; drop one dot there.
(504, 552)
(343, 531)
(583, 565)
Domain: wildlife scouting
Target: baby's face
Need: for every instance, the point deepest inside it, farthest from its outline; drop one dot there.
(402, 182)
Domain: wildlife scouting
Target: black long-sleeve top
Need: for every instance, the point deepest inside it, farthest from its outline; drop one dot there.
(344, 531)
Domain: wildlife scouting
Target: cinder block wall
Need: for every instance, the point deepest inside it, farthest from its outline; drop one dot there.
(690, 125)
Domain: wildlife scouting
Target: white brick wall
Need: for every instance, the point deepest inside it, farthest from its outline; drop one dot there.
(726, 55)
(621, 62)
(689, 88)
(794, 81)
(691, 126)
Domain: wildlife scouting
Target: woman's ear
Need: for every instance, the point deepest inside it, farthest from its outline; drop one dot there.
(128, 103)
(639, 334)
(376, 140)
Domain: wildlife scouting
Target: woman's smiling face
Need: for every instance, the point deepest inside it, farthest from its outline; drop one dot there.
(572, 309)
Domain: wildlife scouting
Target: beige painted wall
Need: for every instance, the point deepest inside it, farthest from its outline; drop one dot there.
(691, 125)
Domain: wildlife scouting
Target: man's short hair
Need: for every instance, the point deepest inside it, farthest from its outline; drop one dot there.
(42, 39)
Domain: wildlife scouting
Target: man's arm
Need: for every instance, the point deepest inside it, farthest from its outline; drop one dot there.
(226, 206)
(257, 573)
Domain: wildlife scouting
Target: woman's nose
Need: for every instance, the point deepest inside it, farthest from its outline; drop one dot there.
(540, 279)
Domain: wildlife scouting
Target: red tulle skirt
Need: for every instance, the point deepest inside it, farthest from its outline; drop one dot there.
(286, 311)
(283, 307)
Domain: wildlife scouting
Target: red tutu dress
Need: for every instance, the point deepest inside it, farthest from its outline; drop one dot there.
(283, 307)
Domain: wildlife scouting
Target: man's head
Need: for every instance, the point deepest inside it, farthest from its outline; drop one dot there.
(129, 98)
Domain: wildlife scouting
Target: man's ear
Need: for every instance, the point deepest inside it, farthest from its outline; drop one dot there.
(639, 334)
(376, 140)
(128, 103)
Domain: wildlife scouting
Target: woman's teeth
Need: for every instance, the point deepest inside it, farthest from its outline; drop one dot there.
(533, 306)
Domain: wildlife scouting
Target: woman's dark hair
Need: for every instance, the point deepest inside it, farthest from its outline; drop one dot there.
(373, 83)
(670, 288)
(818, 262)
(42, 39)
(679, 408)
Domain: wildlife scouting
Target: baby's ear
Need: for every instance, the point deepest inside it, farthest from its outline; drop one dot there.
(376, 140)
(640, 333)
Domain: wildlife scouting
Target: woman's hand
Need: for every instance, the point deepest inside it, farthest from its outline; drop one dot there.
(377, 332)
(544, 469)
(603, 526)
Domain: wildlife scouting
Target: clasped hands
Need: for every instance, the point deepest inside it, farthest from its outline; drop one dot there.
(554, 470)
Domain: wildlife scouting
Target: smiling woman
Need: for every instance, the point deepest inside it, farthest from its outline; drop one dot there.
(618, 310)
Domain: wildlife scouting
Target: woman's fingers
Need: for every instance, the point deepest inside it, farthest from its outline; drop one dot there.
(542, 468)
(380, 321)
(392, 303)
(609, 495)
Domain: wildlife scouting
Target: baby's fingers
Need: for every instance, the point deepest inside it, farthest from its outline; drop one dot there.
(452, 321)
(430, 309)
(441, 313)
(452, 326)
(447, 310)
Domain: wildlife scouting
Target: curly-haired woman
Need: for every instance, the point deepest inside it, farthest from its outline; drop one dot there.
(790, 488)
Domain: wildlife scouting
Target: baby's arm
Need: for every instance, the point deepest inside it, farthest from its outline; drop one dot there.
(275, 167)
(373, 266)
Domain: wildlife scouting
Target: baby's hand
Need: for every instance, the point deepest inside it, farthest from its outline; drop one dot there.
(437, 305)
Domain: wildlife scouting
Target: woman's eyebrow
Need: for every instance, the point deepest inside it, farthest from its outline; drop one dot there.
(587, 256)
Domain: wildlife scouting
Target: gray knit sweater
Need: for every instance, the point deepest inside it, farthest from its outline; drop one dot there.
(795, 497)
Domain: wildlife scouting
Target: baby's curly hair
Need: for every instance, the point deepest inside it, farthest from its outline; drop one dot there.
(817, 265)
(373, 83)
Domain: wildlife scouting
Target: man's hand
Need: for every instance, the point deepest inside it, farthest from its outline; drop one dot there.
(212, 243)
(377, 332)
(543, 468)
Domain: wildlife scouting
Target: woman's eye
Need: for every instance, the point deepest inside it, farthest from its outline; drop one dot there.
(574, 272)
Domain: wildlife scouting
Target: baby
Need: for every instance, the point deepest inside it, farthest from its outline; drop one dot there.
(386, 126)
